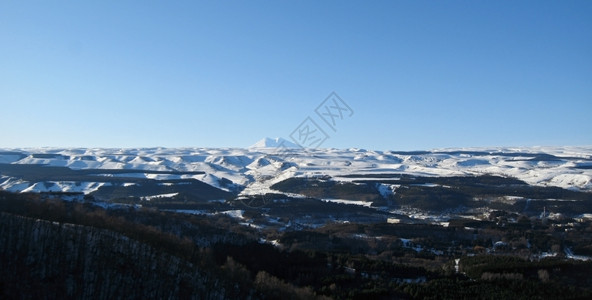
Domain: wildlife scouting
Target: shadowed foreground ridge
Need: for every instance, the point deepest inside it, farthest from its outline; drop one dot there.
(43, 259)
(51, 249)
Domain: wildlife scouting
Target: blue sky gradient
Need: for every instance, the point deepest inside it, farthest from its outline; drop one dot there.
(417, 74)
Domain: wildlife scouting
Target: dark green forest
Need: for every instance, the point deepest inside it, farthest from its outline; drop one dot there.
(58, 249)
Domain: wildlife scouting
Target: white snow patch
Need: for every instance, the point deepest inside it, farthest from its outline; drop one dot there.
(237, 214)
(148, 198)
(349, 202)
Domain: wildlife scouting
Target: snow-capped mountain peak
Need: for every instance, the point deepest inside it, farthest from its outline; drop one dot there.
(274, 143)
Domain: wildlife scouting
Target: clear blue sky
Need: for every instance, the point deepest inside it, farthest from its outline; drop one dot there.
(417, 74)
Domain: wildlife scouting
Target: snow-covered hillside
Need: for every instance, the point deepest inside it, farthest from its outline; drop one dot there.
(255, 169)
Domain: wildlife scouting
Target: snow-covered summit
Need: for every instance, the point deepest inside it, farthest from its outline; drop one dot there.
(274, 143)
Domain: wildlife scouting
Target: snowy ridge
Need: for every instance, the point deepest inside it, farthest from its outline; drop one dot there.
(255, 169)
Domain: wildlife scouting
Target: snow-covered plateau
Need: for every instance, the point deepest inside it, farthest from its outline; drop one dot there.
(254, 170)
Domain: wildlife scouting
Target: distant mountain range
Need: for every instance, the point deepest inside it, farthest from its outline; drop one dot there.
(438, 180)
(264, 164)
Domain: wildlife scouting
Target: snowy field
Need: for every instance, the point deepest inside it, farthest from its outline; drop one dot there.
(255, 169)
